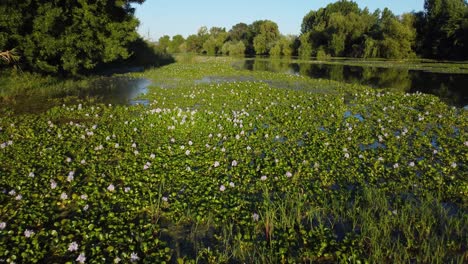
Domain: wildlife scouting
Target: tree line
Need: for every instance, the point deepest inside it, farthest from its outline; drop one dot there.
(70, 37)
(343, 29)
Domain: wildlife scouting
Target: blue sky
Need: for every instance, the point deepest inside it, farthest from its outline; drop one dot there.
(185, 17)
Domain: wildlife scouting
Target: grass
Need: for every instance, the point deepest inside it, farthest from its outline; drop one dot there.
(236, 169)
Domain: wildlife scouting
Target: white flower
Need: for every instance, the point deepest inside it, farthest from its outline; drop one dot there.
(395, 166)
(223, 150)
(133, 145)
(255, 217)
(126, 189)
(28, 233)
(81, 258)
(187, 152)
(18, 197)
(190, 143)
(68, 159)
(454, 165)
(86, 207)
(116, 145)
(71, 175)
(117, 260)
(346, 155)
(134, 257)
(73, 246)
(83, 161)
(466, 143)
(222, 188)
(232, 185)
(164, 198)
(263, 178)
(2, 225)
(63, 196)
(288, 174)
(84, 197)
(31, 174)
(12, 192)
(234, 163)
(411, 164)
(111, 187)
(53, 184)
(216, 164)
(152, 156)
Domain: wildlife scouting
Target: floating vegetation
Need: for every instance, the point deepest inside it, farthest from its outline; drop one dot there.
(237, 171)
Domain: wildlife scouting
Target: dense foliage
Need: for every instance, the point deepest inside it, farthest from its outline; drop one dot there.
(231, 166)
(342, 29)
(67, 36)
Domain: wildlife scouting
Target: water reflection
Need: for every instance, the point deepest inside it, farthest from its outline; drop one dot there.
(451, 88)
(108, 90)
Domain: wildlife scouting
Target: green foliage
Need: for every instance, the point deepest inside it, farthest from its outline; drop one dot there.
(444, 28)
(342, 29)
(267, 35)
(233, 48)
(68, 37)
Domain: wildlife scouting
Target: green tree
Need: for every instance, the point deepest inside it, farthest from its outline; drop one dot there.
(268, 33)
(68, 36)
(443, 34)
(176, 42)
(164, 43)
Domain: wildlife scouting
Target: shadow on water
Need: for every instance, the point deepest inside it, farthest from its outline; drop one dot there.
(449, 87)
(107, 90)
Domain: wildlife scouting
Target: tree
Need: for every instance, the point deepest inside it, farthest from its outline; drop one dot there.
(68, 36)
(443, 34)
(268, 33)
(164, 43)
(174, 46)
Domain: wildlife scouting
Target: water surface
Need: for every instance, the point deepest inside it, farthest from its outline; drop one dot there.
(452, 88)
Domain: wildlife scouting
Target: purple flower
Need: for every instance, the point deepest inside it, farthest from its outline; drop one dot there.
(234, 163)
(263, 178)
(232, 185)
(73, 246)
(2, 225)
(28, 233)
(255, 217)
(222, 188)
(63, 196)
(111, 187)
(81, 258)
(288, 174)
(134, 257)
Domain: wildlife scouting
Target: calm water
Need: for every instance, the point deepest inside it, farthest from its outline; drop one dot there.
(108, 90)
(451, 88)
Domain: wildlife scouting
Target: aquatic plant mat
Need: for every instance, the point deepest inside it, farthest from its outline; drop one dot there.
(233, 166)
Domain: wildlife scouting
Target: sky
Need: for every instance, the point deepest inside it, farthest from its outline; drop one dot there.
(185, 17)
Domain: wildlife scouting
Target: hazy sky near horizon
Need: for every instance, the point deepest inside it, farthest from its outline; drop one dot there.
(185, 17)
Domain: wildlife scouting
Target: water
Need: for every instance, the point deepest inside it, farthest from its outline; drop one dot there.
(452, 88)
(107, 90)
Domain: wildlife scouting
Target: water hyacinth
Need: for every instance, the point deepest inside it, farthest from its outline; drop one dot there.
(73, 246)
(81, 258)
(263, 180)
(28, 233)
(134, 257)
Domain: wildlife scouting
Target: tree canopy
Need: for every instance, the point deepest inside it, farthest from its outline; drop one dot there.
(68, 36)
